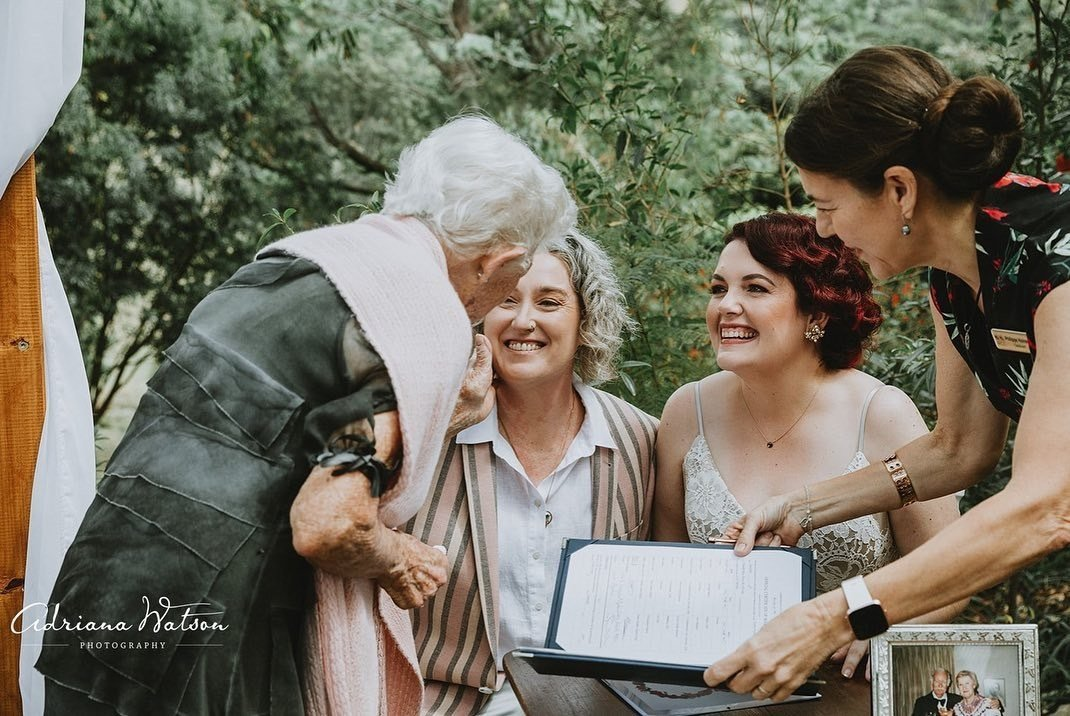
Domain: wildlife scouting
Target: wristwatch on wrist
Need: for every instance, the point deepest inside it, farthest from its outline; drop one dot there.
(865, 613)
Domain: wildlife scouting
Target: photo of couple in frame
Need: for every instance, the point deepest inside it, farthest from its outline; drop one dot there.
(955, 670)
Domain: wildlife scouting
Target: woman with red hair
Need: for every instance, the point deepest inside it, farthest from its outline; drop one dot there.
(789, 316)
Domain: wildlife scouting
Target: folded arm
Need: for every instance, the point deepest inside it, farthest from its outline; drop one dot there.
(336, 527)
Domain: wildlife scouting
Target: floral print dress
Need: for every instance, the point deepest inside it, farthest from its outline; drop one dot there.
(1023, 252)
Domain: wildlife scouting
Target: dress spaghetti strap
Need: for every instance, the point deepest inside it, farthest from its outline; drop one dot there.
(862, 420)
(698, 409)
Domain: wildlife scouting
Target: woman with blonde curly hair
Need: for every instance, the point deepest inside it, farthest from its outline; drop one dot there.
(546, 456)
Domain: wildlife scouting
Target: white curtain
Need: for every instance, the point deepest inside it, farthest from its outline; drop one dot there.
(65, 476)
(40, 61)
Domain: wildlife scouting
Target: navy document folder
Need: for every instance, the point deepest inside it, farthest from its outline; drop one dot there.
(651, 614)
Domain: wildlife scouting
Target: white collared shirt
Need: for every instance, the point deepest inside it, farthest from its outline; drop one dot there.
(529, 550)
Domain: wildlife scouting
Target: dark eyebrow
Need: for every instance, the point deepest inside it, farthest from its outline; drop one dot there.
(748, 277)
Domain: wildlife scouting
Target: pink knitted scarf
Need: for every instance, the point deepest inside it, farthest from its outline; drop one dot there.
(391, 272)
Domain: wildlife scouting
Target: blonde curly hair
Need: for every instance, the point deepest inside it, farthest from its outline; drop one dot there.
(604, 311)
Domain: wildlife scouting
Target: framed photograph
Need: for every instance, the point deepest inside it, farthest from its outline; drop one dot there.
(956, 670)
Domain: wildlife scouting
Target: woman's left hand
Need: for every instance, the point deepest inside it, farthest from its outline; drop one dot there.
(851, 655)
(780, 657)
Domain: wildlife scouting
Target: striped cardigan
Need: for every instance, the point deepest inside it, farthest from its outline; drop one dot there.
(456, 631)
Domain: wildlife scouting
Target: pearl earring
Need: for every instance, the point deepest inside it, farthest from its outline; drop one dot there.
(814, 333)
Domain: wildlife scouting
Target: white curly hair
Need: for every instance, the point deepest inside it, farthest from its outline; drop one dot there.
(477, 186)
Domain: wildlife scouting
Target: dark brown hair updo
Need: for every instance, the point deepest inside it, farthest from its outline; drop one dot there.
(827, 277)
(894, 105)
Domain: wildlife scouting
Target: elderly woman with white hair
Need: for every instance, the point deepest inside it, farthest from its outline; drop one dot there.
(973, 702)
(553, 458)
(296, 420)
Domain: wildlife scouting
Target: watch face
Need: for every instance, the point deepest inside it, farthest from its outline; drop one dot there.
(868, 621)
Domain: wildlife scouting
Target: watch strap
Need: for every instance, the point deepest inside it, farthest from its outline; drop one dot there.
(865, 614)
(856, 592)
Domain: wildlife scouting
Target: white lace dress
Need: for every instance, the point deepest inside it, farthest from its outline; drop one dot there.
(844, 550)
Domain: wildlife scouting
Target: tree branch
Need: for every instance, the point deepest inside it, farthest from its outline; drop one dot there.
(447, 69)
(118, 372)
(261, 159)
(345, 146)
(460, 18)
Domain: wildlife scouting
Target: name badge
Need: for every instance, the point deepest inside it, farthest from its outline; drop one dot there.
(1014, 341)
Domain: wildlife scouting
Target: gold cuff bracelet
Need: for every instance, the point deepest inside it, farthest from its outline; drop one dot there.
(899, 476)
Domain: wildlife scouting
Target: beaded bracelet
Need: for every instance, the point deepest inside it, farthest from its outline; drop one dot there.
(808, 522)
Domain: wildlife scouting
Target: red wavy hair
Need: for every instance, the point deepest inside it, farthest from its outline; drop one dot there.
(827, 277)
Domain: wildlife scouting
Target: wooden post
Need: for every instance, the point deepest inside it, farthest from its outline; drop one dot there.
(22, 407)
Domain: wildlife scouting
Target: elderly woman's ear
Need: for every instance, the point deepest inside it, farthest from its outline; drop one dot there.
(483, 281)
(505, 257)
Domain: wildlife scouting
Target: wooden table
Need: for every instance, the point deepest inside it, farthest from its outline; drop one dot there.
(564, 695)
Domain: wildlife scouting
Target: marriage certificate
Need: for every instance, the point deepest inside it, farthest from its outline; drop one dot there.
(671, 603)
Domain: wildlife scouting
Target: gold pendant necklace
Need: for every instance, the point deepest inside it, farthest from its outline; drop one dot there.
(770, 443)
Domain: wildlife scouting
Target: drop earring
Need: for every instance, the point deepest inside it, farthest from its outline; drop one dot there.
(905, 228)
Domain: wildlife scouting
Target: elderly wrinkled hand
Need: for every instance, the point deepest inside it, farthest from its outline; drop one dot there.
(418, 573)
(476, 397)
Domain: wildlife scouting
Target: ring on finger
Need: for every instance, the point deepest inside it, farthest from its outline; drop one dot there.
(762, 692)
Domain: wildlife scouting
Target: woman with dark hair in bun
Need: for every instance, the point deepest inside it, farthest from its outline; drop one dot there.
(789, 316)
(909, 167)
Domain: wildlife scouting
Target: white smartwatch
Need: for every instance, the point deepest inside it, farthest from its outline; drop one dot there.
(865, 613)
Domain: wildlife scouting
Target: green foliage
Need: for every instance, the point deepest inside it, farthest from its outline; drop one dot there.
(278, 220)
(628, 133)
(1040, 75)
(153, 176)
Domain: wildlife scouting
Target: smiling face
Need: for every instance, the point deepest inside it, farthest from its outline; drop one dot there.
(753, 316)
(544, 295)
(940, 684)
(868, 224)
(965, 686)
